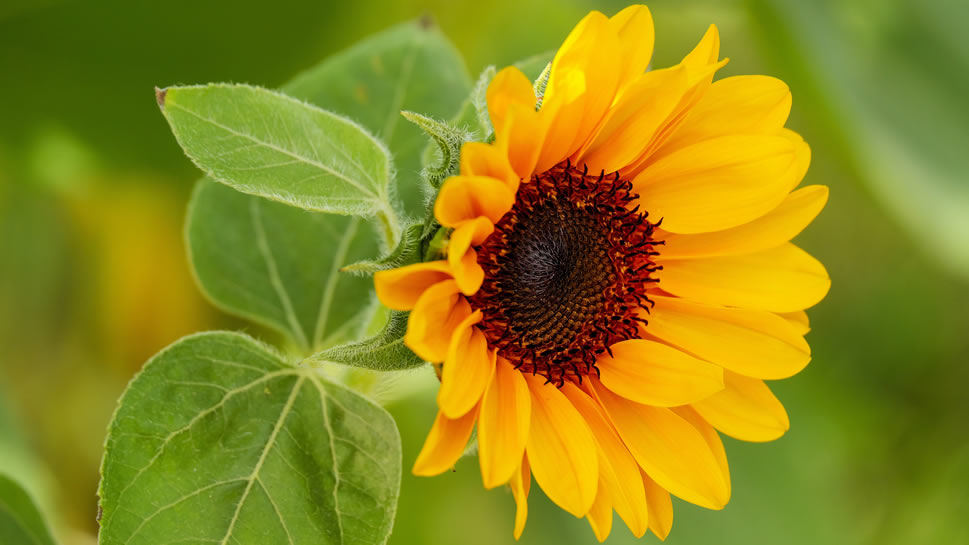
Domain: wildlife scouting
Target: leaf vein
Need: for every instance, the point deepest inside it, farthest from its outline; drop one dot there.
(274, 278)
(336, 468)
(168, 506)
(400, 93)
(279, 514)
(197, 418)
(270, 442)
(333, 278)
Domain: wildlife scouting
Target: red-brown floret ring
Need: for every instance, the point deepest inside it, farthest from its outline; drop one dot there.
(566, 273)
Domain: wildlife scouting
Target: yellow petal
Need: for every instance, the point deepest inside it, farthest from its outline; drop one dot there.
(634, 27)
(700, 66)
(660, 507)
(503, 424)
(745, 410)
(522, 140)
(480, 159)
(400, 288)
(799, 320)
(462, 257)
(581, 87)
(600, 515)
(561, 449)
(444, 444)
(465, 198)
(433, 321)
(467, 369)
(508, 87)
(656, 374)
(768, 231)
(617, 468)
(633, 121)
(668, 447)
(750, 342)
(718, 183)
(782, 279)
(706, 52)
(802, 156)
(738, 104)
(520, 483)
(710, 436)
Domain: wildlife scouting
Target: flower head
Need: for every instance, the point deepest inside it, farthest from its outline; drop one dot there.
(619, 280)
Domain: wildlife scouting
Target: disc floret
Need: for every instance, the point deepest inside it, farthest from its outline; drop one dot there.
(566, 272)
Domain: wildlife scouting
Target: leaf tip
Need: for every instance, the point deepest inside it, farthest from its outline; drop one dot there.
(160, 93)
(413, 117)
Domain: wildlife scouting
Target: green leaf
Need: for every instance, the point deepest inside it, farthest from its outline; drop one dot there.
(306, 298)
(265, 143)
(411, 66)
(278, 265)
(20, 521)
(405, 253)
(220, 440)
(382, 352)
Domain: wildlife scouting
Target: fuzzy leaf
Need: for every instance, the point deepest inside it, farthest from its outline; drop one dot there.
(408, 66)
(265, 143)
(218, 439)
(449, 139)
(384, 351)
(479, 103)
(405, 253)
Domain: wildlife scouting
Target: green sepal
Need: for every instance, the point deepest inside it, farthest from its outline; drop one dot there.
(385, 351)
(449, 139)
(541, 82)
(405, 253)
(431, 226)
(479, 99)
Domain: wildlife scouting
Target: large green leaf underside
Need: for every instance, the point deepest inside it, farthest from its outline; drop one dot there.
(20, 521)
(267, 144)
(411, 66)
(279, 265)
(218, 440)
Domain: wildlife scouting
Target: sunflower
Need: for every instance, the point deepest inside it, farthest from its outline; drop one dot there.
(618, 280)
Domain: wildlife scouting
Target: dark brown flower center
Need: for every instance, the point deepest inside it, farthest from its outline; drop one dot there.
(566, 272)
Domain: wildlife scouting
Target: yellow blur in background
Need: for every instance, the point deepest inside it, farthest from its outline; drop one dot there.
(94, 278)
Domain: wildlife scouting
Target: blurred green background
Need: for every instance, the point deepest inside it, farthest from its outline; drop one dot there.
(94, 279)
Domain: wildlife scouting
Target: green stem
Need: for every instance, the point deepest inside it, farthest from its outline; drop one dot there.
(390, 224)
